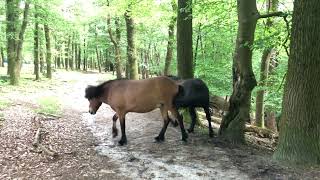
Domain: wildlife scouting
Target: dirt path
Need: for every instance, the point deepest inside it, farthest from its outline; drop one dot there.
(88, 151)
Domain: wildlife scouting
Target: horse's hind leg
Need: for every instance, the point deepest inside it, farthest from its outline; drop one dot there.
(114, 126)
(176, 114)
(123, 139)
(173, 121)
(193, 115)
(164, 113)
(208, 116)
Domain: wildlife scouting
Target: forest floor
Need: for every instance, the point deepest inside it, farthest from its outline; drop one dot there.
(86, 150)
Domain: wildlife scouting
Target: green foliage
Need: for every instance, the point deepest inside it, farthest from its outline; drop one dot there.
(49, 105)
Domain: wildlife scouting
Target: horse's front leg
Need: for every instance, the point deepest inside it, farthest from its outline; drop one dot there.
(114, 125)
(123, 139)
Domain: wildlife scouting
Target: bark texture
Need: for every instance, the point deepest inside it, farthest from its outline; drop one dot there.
(299, 125)
(36, 46)
(48, 50)
(170, 40)
(15, 38)
(131, 49)
(115, 41)
(233, 124)
(184, 39)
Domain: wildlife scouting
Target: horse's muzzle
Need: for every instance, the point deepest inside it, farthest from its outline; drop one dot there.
(92, 112)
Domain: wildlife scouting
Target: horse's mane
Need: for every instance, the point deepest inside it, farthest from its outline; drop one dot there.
(175, 78)
(97, 91)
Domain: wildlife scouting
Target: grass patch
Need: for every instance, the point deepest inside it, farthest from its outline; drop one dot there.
(49, 106)
(4, 104)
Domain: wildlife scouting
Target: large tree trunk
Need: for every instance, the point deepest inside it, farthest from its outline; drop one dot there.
(170, 40)
(184, 39)
(48, 48)
(15, 38)
(233, 124)
(131, 50)
(299, 125)
(36, 45)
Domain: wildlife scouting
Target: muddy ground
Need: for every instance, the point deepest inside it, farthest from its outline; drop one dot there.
(86, 149)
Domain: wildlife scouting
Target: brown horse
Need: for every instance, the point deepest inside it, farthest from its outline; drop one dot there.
(139, 96)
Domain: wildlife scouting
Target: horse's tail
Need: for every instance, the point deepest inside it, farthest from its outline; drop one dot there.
(177, 99)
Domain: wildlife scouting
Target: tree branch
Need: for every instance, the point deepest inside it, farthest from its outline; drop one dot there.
(274, 14)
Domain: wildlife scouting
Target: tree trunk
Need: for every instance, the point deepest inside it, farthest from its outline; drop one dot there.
(272, 5)
(299, 125)
(66, 54)
(84, 56)
(79, 57)
(15, 38)
(48, 47)
(36, 45)
(264, 72)
(131, 50)
(184, 39)
(70, 53)
(197, 47)
(115, 42)
(2, 57)
(170, 40)
(233, 124)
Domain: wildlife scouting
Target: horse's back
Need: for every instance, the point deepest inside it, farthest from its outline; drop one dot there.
(143, 95)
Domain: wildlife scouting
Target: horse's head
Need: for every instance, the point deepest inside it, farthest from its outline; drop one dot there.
(92, 94)
(94, 105)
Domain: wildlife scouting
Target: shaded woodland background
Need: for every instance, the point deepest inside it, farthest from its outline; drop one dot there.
(240, 50)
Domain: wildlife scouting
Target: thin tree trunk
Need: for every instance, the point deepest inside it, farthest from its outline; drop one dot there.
(2, 56)
(36, 45)
(299, 125)
(184, 39)
(264, 71)
(131, 50)
(197, 47)
(48, 48)
(66, 54)
(272, 5)
(115, 42)
(84, 55)
(233, 123)
(79, 57)
(170, 40)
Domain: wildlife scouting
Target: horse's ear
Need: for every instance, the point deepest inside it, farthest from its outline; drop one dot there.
(90, 92)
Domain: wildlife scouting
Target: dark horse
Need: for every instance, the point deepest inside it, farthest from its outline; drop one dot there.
(136, 96)
(195, 94)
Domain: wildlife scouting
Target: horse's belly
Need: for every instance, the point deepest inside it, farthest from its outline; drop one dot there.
(143, 108)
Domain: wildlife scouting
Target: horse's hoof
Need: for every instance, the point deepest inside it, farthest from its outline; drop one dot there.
(122, 142)
(159, 139)
(185, 136)
(190, 130)
(184, 139)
